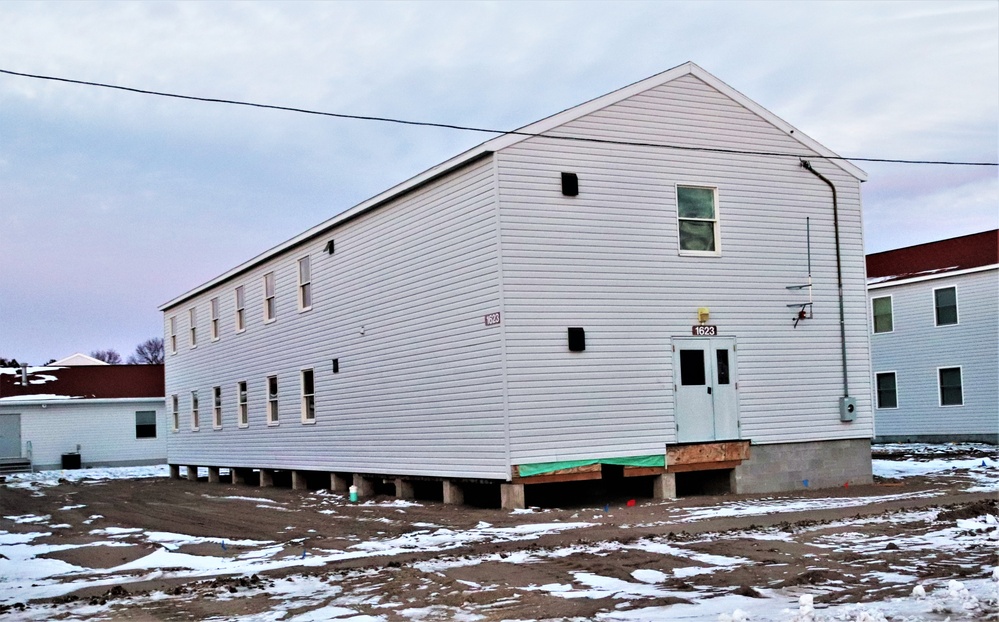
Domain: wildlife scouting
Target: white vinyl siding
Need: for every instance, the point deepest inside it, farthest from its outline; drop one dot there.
(105, 430)
(608, 260)
(420, 391)
(918, 347)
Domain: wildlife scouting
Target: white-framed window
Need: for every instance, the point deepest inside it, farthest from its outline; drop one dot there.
(195, 418)
(887, 389)
(308, 396)
(215, 318)
(697, 220)
(881, 314)
(304, 284)
(217, 408)
(949, 382)
(269, 306)
(173, 335)
(175, 412)
(244, 407)
(272, 400)
(240, 309)
(193, 317)
(145, 424)
(945, 305)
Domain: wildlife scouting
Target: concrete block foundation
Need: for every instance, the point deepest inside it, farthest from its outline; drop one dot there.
(799, 466)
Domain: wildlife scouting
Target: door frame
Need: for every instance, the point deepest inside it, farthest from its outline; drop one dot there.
(724, 396)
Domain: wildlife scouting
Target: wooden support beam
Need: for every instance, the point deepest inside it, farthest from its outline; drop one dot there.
(339, 483)
(643, 471)
(213, 475)
(192, 473)
(298, 481)
(174, 471)
(404, 489)
(512, 496)
(703, 466)
(266, 478)
(365, 486)
(664, 486)
(453, 494)
(572, 474)
(700, 453)
(238, 475)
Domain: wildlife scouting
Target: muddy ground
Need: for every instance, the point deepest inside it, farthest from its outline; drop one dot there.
(851, 545)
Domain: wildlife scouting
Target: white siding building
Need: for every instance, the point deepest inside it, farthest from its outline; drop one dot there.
(616, 281)
(935, 340)
(95, 415)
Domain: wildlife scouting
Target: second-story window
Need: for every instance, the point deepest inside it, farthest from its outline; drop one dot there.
(269, 308)
(175, 411)
(240, 314)
(882, 314)
(173, 335)
(697, 215)
(215, 319)
(308, 396)
(945, 305)
(195, 418)
(193, 315)
(304, 284)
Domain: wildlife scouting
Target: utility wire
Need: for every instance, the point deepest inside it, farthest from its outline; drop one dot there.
(466, 128)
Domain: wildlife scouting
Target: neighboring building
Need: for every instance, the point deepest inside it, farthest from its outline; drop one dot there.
(935, 340)
(540, 309)
(77, 359)
(111, 415)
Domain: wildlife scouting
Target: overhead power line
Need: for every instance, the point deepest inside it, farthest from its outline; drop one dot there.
(465, 128)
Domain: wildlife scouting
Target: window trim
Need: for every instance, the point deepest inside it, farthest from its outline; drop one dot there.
(273, 404)
(216, 408)
(154, 424)
(304, 286)
(239, 293)
(936, 309)
(960, 371)
(195, 414)
(270, 301)
(192, 315)
(213, 305)
(307, 397)
(173, 334)
(242, 404)
(891, 305)
(877, 390)
(175, 412)
(716, 221)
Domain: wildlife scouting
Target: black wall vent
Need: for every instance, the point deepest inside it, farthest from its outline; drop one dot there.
(577, 339)
(570, 184)
(336, 366)
(329, 247)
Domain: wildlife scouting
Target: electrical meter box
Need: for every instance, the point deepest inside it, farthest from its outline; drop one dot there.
(847, 409)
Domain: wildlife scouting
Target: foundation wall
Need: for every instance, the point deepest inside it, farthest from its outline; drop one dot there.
(797, 466)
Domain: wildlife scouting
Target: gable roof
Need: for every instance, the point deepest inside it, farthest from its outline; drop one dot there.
(961, 253)
(83, 381)
(77, 359)
(506, 140)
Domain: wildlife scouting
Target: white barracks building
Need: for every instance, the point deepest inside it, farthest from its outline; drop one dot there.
(638, 287)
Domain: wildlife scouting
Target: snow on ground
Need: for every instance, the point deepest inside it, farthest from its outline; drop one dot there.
(26, 574)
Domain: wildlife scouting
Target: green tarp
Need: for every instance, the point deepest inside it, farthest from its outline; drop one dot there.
(540, 468)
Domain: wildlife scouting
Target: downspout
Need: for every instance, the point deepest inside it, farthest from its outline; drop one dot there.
(839, 273)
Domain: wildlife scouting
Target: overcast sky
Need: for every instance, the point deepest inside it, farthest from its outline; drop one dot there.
(112, 203)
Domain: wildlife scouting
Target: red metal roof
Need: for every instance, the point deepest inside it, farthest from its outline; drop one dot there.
(961, 253)
(86, 381)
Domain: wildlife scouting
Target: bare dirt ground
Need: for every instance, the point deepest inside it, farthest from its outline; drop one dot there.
(387, 560)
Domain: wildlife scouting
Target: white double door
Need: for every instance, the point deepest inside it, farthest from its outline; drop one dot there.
(704, 376)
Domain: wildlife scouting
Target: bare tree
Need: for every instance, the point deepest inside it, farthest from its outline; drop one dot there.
(149, 352)
(109, 356)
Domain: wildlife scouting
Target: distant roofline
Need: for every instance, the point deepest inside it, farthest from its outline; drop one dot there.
(14, 401)
(489, 147)
(907, 280)
(934, 259)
